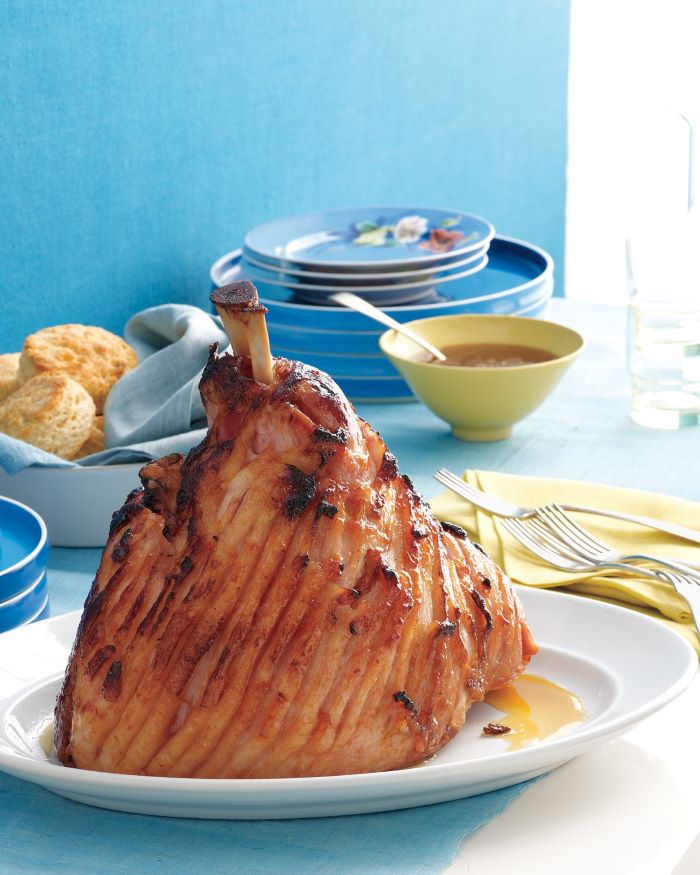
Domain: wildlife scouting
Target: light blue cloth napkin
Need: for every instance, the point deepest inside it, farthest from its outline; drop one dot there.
(41, 832)
(154, 409)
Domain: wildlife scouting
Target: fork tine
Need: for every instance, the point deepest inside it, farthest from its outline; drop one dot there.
(479, 499)
(576, 530)
(559, 523)
(553, 540)
(461, 487)
(521, 533)
(448, 478)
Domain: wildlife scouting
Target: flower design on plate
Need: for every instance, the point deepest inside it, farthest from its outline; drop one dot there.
(442, 240)
(408, 230)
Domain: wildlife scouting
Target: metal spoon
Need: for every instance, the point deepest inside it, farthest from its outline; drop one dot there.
(347, 299)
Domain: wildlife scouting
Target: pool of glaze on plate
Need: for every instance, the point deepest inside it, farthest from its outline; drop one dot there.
(535, 709)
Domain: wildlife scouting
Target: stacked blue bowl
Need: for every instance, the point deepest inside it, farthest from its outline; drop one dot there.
(24, 552)
(411, 262)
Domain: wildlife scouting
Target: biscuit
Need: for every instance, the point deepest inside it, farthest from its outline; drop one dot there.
(95, 442)
(9, 374)
(94, 357)
(51, 411)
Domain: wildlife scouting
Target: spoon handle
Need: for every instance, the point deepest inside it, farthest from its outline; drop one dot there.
(354, 302)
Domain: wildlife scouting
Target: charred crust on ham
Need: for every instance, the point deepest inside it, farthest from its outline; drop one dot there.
(227, 383)
(446, 628)
(145, 623)
(98, 659)
(486, 583)
(456, 531)
(93, 605)
(325, 508)
(301, 491)
(479, 548)
(95, 600)
(121, 551)
(326, 456)
(186, 567)
(112, 684)
(418, 533)
(408, 704)
(389, 572)
(389, 468)
(411, 492)
(133, 611)
(131, 508)
(323, 435)
(478, 600)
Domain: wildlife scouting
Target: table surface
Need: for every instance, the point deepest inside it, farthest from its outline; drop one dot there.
(631, 806)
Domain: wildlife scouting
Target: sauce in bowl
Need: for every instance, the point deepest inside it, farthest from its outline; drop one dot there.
(493, 355)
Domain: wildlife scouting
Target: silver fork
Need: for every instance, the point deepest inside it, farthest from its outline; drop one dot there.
(504, 509)
(544, 543)
(589, 547)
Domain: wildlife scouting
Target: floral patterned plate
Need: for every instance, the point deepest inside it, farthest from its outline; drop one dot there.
(367, 237)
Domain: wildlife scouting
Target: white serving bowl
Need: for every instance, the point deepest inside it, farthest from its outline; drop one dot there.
(75, 503)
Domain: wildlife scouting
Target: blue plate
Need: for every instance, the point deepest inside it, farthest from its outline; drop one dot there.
(356, 277)
(385, 295)
(369, 236)
(516, 276)
(23, 547)
(26, 607)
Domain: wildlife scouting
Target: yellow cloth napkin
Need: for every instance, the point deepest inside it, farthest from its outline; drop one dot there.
(655, 598)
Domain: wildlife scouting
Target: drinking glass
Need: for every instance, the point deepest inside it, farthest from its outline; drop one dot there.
(663, 274)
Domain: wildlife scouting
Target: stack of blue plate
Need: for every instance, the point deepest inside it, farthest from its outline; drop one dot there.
(23, 557)
(387, 255)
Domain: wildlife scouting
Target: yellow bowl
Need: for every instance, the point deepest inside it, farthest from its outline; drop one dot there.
(482, 403)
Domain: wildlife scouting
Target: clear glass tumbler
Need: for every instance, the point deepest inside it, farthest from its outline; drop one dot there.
(663, 272)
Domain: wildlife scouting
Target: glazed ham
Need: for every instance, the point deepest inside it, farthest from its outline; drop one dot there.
(281, 602)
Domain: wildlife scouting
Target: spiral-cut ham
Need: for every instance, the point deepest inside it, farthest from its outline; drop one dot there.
(281, 602)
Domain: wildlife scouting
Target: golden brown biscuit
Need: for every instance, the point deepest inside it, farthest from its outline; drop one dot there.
(95, 442)
(94, 357)
(51, 411)
(9, 374)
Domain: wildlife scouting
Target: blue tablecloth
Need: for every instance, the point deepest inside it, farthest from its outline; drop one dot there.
(583, 431)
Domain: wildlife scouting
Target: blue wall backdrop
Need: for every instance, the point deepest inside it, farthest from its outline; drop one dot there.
(140, 139)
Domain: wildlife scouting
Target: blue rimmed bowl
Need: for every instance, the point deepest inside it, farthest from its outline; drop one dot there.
(24, 548)
(26, 607)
